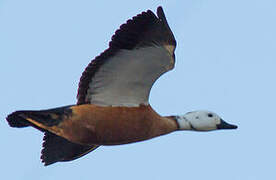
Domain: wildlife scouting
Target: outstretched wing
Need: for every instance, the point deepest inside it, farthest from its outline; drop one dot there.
(57, 149)
(138, 54)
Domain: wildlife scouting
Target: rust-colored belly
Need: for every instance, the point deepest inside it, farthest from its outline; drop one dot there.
(91, 124)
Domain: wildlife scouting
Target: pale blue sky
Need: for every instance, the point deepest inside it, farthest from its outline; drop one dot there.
(226, 63)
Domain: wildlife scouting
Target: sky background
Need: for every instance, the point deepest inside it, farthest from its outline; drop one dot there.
(225, 62)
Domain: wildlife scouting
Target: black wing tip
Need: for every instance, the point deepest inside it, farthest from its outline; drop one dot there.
(57, 149)
(47, 163)
(44, 158)
(160, 12)
(161, 15)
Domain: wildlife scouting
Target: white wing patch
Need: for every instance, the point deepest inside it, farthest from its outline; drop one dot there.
(126, 78)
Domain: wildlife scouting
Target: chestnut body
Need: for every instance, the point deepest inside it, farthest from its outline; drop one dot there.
(91, 124)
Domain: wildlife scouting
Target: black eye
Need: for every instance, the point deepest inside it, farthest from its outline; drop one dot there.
(210, 115)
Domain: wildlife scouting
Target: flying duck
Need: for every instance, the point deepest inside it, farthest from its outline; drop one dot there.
(113, 96)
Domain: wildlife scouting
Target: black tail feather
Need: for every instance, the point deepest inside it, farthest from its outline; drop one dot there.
(50, 117)
(16, 119)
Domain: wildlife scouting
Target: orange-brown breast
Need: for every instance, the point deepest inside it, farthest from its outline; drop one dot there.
(91, 124)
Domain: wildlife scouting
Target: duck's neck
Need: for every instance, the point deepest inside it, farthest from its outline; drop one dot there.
(164, 125)
(182, 122)
(168, 124)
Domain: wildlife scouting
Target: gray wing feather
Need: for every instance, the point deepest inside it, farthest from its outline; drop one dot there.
(126, 79)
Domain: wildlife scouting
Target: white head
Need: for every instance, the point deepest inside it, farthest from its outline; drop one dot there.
(202, 121)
